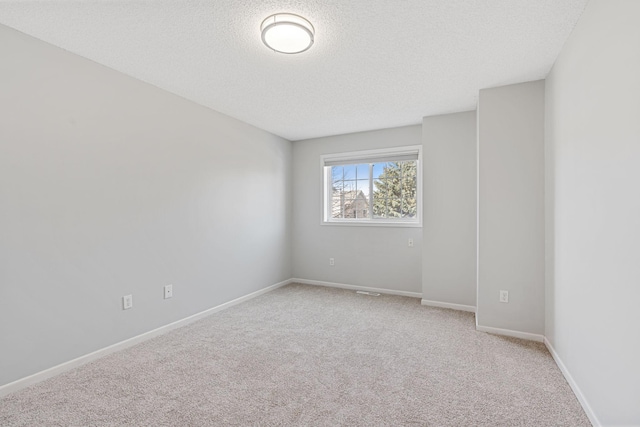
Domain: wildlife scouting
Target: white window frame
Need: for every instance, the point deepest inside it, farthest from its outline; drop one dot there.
(366, 156)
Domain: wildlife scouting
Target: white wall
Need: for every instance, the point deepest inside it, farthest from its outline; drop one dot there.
(511, 207)
(108, 187)
(593, 207)
(372, 256)
(449, 224)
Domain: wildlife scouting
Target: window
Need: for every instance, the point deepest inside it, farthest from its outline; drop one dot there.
(375, 187)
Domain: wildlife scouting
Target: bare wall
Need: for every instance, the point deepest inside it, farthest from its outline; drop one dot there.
(449, 239)
(372, 256)
(593, 209)
(511, 207)
(110, 186)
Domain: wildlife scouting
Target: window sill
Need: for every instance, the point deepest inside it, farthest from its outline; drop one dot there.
(373, 223)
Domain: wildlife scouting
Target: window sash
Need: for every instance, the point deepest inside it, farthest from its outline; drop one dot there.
(371, 157)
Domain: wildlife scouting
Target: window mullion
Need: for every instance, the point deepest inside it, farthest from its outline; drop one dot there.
(328, 194)
(401, 187)
(370, 190)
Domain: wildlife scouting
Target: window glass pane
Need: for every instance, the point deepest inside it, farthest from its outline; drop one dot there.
(409, 208)
(362, 185)
(337, 186)
(359, 206)
(386, 185)
(349, 171)
(336, 173)
(336, 207)
(362, 170)
(362, 198)
(379, 207)
(350, 205)
(349, 187)
(377, 169)
(379, 181)
(379, 188)
(394, 208)
(409, 178)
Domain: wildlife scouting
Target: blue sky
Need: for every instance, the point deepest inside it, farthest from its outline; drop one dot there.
(357, 175)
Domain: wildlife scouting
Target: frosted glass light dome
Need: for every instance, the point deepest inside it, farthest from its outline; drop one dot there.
(287, 33)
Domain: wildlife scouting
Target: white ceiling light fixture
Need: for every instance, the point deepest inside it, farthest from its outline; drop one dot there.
(287, 33)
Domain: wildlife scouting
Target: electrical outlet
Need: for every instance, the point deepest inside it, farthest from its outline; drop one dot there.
(127, 302)
(168, 291)
(410, 243)
(504, 296)
(332, 261)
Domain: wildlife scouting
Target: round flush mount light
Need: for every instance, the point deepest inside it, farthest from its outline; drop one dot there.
(287, 33)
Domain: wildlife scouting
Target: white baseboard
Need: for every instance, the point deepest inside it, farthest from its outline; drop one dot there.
(357, 288)
(452, 306)
(63, 367)
(576, 390)
(56, 370)
(510, 333)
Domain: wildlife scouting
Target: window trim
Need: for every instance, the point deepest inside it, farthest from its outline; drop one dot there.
(366, 156)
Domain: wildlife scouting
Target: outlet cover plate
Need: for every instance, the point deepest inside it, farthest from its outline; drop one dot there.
(504, 296)
(127, 302)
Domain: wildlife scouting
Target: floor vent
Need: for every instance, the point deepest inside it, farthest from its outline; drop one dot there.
(372, 294)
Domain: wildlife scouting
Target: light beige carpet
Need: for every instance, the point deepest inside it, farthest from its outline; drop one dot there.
(304, 355)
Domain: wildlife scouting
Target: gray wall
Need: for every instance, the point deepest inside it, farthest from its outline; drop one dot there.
(593, 207)
(449, 227)
(371, 256)
(511, 207)
(108, 187)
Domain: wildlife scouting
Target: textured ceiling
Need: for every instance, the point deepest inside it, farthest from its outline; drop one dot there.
(375, 63)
